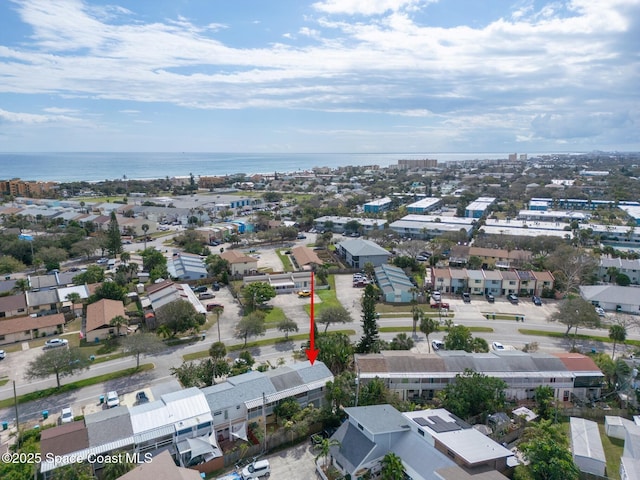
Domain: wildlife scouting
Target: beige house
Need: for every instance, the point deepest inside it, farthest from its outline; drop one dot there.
(240, 263)
(99, 316)
(13, 305)
(20, 329)
(305, 257)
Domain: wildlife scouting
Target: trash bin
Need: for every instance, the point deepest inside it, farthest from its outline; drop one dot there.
(101, 399)
(5, 425)
(45, 414)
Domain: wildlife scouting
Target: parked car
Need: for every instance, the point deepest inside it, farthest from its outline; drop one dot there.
(466, 298)
(301, 236)
(200, 289)
(258, 469)
(141, 398)
(600, 311)
(513, 298)
(436, 296)
(102, 261)
(443, 305)
(304, 293)
(213, 306)
(490, 298)
(112, 399)
(206, 296)
(55, 343)
(216, 286)
(67, 415)
(497, 346)
(536, 300)
(421, 258)
(437, 344)
(2, 354)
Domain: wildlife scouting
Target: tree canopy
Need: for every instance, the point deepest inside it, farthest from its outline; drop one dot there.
(61, 362)
(576, 312)
(139, 344)
(179, 316)
(250, 326)
(335, 314)
(369, 342)
(256, 294)
(473, 393)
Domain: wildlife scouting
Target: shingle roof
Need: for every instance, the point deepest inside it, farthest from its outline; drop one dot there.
(100, 313)
(108, 425)
(67, 438)
(22, 324)
(13, 302)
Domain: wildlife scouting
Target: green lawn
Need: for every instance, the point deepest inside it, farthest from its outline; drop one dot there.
(613, 448)
(545, 333)
(409, 328)
(286, 262)
(274, 316)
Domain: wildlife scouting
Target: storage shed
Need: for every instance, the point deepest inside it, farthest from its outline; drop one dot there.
(614, 426)
(586, 446)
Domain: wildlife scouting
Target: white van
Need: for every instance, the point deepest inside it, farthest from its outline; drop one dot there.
(258, 469)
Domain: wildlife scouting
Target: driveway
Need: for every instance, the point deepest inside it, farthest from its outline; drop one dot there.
(295, 462)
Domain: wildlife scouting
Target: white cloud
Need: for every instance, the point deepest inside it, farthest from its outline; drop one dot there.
(364, 7)
(31, 118)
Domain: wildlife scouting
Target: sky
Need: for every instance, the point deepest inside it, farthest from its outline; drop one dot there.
(319, 76)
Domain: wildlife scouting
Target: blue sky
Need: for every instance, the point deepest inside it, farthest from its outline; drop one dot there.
(319, 76)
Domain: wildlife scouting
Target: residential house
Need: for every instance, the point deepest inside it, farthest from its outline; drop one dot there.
(414, 376)
(251, 397)
(160, 294)
(479, 207)
(424, 205)
(492, 282)
(527, 282)
(370, 432)
(428, 226)
(510, 282)
(183, 266)
(468, 447)
(42, 302)
(395, 285)
(305, 258)
(43, 282)
(240, 263)
(337, 224)
(99, 316)
(441, 278)
(282, 282)
(475, 282)
(358, 252)
(162, 467)
(59, 444)
(613, 298)
(630, 461)
(13, 305)
(378, 205)
(610, 267)
(19, 329)
(544, 281)
(459, 280)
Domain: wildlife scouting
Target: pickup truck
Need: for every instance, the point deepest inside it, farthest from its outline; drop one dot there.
(440, 305)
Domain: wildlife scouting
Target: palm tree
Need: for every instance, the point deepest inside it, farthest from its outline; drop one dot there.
(617, 333)
(428, 325)
(22, 285)
(145, 229)
(392, 467)
(125, 257)
(324, 448)
(417, 315)
(118, 321)
(217, 311)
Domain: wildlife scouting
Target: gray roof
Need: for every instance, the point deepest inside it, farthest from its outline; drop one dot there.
(379, 418)
(312, 373)
(611, 294)
(43, 297)
(43, 281)
(354, 446)
(238, 390)
(585, 439)
(421, 457)
(363, 248)
(110, 425)
(284, 378)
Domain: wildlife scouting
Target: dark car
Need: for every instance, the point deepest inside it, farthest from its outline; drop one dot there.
(141, 398)
(490, 298)
(466, 298)
(536, 300)
(200, 289)
(216, 286)
(513, 298)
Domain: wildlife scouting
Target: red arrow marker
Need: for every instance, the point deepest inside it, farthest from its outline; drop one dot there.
(312, 352)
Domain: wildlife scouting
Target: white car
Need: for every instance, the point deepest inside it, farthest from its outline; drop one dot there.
(2, 354)
(437, 344)
(67, 415)
(56, 342)
(258, 469)
(436, 296)
(112, 399)
(600, 311)
(497, 346)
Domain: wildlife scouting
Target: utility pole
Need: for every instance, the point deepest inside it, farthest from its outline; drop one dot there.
(15, 404)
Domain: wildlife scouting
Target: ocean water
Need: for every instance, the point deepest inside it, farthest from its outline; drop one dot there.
(64, 167)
